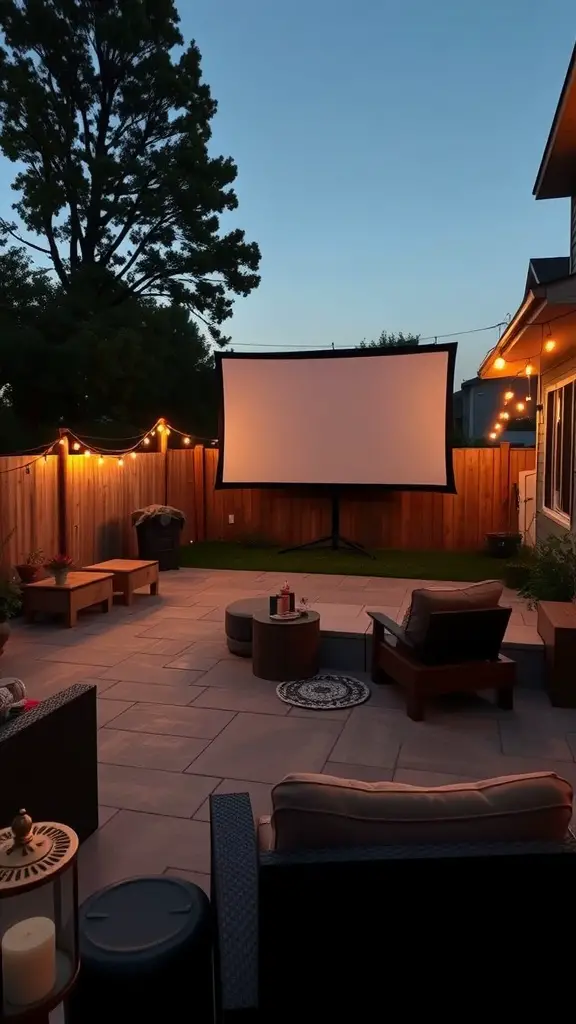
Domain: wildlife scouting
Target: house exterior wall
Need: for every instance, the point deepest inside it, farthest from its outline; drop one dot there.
(547, 525)
(573, 235)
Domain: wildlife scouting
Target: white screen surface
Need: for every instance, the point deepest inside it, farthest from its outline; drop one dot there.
(346, 419)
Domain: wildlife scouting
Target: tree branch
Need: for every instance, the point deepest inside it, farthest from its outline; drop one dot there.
(4, 226)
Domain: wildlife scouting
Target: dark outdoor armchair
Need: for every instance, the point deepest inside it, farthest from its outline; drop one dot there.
(359, 934)
(459, 651)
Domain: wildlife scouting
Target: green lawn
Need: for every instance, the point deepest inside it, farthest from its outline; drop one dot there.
(418, 565)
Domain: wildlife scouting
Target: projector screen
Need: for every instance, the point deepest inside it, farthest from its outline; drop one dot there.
(348, 418)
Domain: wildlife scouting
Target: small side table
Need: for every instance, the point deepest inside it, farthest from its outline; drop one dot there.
(145, 951)
(129, 575)
(81, 590)
(285, 650)
(238, 624)
(556, 625)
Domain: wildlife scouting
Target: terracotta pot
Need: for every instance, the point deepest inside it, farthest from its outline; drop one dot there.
(28, 573)
(60, 577)
(4, 634)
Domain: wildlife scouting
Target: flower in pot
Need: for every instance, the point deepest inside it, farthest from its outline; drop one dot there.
(10, 604)
(29, 569)
(59, 566)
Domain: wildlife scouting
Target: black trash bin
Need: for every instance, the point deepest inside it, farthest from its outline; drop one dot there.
(158, 529)
(503, 545)
(145, 954)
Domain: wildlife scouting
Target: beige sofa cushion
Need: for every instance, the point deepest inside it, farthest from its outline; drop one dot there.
(318, 811)
(447, 599)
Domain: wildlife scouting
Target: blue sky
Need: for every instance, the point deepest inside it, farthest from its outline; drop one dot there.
(387, 153)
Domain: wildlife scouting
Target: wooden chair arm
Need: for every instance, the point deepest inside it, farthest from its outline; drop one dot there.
(390, 626)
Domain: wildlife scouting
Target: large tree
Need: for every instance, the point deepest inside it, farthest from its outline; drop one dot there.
(118, 190)
(389, 340)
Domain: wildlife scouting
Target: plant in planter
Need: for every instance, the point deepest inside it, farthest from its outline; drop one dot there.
(28, 569)
(552, 574)
(59, 566)
(10, 605)
(517, 572)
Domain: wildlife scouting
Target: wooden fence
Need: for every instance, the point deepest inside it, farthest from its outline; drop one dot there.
(100, 497)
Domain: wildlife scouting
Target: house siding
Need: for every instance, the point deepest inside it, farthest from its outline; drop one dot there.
(573, 235)
(546, 526)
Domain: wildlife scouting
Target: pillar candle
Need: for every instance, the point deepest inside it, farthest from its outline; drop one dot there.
(29, 961)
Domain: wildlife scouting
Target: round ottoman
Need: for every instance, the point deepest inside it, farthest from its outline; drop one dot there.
(238, 621)
(145, 948)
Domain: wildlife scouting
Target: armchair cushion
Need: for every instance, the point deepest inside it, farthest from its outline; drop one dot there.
(447, 599)
(319, 812)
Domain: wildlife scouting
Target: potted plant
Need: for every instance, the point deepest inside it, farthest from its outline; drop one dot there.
(28, 569)
(10, 604)
(158, 529)
(59, 566)
(517, 572)
(552, 574)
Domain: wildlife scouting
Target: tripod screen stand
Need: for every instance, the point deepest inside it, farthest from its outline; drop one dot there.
(334, 540)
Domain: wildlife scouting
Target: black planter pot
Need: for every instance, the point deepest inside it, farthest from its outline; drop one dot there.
(159, 541)
(503, 545)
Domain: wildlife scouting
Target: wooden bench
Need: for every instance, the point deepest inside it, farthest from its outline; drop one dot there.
(129, 575)
(81, 590)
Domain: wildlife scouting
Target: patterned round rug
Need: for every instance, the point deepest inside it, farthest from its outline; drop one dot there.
(324, 692)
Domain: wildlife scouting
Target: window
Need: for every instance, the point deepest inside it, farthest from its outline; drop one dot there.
(559, 450)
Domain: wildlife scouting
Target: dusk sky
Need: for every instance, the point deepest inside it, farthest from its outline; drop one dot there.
(387, 153)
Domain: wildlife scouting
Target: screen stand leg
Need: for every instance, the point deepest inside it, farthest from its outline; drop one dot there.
(334, 540)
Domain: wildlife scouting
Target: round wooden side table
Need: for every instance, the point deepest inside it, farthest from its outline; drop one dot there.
(285, 650)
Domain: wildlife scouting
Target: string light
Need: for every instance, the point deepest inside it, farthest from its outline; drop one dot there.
(146, 440)
(153, 432)
(76, 446)
(167, 431)
(520, 406)
(504, 415)
(499, 363)
(132, 455)
(100, 460)
(497, 426)
(120, 462)
(493, 435)
(529, 370)
(87, 453)
(550, 345)
(509, 395)
(159, 428)
(62, 440)
(185, 440)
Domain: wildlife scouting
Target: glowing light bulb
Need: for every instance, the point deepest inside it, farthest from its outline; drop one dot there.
(550, 345)
(528, 398)
(120, 462)
(499, 363)
(159, 428)
(62, 440)
(529, 370)
(76, 446)
(520, 406)
(493, 436)
(146, 440)
(497, 426)
(167, 431)
(185, 440)
(132, 455)
(87, 453)
(509, 395)
(153, 432)
(504, 415)
(100, 461)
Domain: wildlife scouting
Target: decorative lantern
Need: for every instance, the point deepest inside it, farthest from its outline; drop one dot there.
(39, 956)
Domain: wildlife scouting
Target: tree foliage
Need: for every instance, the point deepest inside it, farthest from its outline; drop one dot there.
(389, 340)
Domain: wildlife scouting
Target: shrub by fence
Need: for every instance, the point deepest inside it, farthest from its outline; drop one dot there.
(95, 515)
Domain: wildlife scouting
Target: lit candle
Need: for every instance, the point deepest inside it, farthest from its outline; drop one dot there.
(29, 961)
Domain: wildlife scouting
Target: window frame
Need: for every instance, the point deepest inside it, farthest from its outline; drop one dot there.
(551, 453)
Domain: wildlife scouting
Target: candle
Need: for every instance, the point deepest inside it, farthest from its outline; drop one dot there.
(29, 961)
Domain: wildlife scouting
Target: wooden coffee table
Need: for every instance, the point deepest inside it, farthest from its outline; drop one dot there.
(81, 590)
(285, 650)
(129, 575)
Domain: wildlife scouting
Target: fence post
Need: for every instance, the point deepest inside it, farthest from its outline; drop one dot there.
(163, 435)
(505, 495)
(200, 492)
(62, 492)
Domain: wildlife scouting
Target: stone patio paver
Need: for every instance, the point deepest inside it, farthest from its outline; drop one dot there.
(186, 718)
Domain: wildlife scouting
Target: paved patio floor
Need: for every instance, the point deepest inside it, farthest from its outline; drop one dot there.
(181, 718)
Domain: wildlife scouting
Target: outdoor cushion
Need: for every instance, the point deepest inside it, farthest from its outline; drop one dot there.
(447, 599)
(318, 811)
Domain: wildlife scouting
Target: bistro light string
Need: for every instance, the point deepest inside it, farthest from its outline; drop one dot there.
(547, 344)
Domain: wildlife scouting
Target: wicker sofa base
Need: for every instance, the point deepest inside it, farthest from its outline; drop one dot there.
(48, 761)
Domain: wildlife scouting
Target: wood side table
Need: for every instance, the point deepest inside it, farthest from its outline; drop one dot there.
(81, 590)
(129, 575)
(556, 625)
(286, 650)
